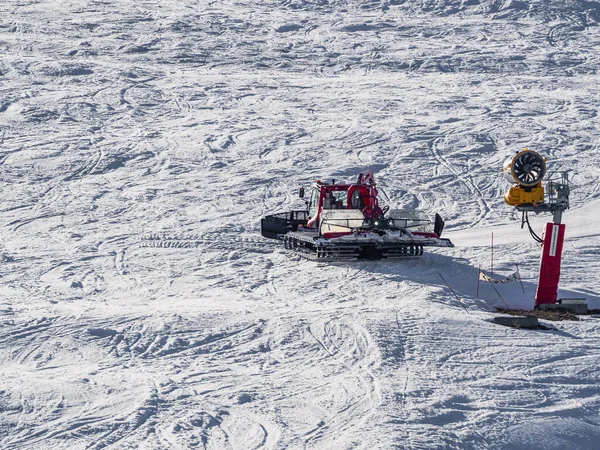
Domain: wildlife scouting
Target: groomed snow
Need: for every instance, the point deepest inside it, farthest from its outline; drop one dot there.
(140, 144)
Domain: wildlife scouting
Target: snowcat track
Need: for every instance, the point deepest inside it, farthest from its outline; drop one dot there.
(305, 245)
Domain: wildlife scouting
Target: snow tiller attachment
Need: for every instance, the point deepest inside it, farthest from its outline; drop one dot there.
(345, 222)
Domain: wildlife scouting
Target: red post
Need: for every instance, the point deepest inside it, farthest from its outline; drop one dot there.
(552, 244)
(492, 256)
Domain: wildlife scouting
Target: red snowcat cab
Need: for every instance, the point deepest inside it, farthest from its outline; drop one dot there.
(345, 221)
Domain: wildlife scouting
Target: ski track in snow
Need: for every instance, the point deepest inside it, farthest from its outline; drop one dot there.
(141, 142)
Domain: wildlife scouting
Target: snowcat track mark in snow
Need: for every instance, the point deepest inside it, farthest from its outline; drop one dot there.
(344, 222)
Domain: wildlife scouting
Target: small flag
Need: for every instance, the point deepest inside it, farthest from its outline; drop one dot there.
(514, 277)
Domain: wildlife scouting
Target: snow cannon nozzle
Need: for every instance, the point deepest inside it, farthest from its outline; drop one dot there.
(525, 170)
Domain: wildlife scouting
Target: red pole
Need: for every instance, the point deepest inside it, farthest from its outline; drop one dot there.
(492, 269)
(520, 281)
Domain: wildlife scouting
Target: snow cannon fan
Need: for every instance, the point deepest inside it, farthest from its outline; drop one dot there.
(527, 169)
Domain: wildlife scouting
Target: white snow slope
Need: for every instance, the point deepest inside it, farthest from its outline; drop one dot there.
(142, 141)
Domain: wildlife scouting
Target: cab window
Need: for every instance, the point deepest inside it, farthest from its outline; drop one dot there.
(336, 200)
(312, 205)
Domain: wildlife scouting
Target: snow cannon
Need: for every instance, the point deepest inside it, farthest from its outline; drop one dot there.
(526, 169)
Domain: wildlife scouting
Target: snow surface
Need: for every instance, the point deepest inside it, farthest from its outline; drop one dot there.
(140, 144)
